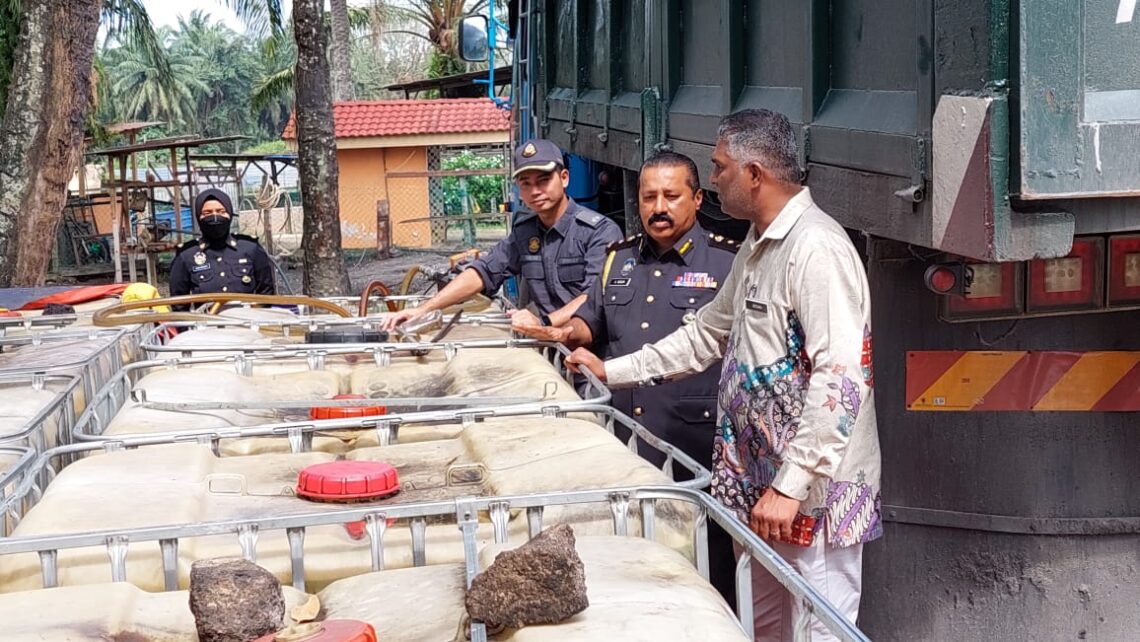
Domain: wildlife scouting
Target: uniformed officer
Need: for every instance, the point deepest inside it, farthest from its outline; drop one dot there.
(219, 261)
(557, 246)
(651, 284)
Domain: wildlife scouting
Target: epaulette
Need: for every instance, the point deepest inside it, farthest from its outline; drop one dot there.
(723, 243)
(589, 217)
(247, 237)
(187, 245)
(629, 241)
(521, 216)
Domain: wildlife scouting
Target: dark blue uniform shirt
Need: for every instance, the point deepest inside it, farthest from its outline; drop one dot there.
(642, 297)
(240, 266)
(558, 264)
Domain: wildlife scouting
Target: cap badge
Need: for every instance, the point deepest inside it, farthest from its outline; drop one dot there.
(529, 150)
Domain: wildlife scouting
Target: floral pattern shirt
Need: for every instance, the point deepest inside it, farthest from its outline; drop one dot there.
(796, 409)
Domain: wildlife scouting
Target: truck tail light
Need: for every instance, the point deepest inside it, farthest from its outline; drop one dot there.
(996, 290)
(948, 278)
(1124, 271)
(1073, 282)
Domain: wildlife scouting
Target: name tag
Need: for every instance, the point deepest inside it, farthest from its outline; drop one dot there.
(243, 260)
(200, 268)
(756, 306)
(619, 282)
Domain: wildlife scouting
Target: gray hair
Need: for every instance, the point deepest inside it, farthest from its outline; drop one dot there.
(765, 137)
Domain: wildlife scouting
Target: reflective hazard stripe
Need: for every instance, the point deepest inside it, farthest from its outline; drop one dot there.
(1023, 381)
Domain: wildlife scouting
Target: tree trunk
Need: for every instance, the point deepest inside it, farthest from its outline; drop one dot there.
(341, 50)
(42, 131)
(325, 274)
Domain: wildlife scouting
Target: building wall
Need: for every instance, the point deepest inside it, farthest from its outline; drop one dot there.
(361, 186)
(364, 181)
(408, 198)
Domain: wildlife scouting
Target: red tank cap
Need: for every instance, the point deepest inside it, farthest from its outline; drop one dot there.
(340, 481)
(326, 631)
(346, 412)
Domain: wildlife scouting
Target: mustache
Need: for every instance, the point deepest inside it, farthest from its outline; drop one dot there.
(660, 216)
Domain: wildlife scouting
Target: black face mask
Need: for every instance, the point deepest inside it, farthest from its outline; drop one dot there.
(215, 228)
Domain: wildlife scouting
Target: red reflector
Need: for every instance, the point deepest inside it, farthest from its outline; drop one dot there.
(1071, 282)
(941, 280)
(1124, 270)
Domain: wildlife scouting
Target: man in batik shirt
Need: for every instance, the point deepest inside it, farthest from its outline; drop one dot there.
(797, 435)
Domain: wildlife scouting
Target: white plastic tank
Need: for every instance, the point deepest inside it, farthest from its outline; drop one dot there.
(638, 591)
(187, 483)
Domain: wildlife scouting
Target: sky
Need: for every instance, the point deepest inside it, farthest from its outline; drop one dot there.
(167, 12)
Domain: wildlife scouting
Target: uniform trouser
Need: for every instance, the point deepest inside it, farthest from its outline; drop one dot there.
(837, 573)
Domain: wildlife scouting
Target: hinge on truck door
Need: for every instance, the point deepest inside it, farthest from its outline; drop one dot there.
(572, 128)
(604, 137)
(916, 191)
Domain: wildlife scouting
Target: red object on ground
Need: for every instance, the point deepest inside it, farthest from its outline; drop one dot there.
(78, 295)
(326, 631)
(346, 412)
(340, 481)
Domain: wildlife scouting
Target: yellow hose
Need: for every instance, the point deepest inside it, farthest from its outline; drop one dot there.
(113, 315)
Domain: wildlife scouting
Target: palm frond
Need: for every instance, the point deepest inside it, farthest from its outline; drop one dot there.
(272, 88)
(128, 22)
(262, 17)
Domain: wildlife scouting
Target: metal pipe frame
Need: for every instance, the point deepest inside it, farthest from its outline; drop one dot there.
(93, 377)
(61, 408)
(466, 511)
(153, 344)
(109, 400)
(24, 460)
(29, 482)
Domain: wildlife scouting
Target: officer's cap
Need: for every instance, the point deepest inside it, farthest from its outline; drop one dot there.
(537, 154)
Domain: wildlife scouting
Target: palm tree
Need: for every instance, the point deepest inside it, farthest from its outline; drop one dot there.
(46, 99)
(143, 90)
(438, 18)
(325, 272)
(340, 50)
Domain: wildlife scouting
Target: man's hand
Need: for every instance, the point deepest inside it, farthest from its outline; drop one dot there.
(543, 332)
(403, 316)
(582, 359)
(522, 318)
(773, 514)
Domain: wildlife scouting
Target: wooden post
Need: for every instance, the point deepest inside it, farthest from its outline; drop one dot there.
(116, 222)
(132, 267)
(383, 230)
(267, 213)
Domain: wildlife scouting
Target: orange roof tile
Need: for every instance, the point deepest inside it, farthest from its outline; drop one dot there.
(358, 119)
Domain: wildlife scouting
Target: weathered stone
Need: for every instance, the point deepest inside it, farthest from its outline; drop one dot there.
(234, 600)
(540, 582)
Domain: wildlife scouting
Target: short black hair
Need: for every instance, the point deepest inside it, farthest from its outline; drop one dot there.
(673, 159)
(763, 136)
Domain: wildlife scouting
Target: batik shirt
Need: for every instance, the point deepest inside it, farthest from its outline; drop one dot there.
(796, 409)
